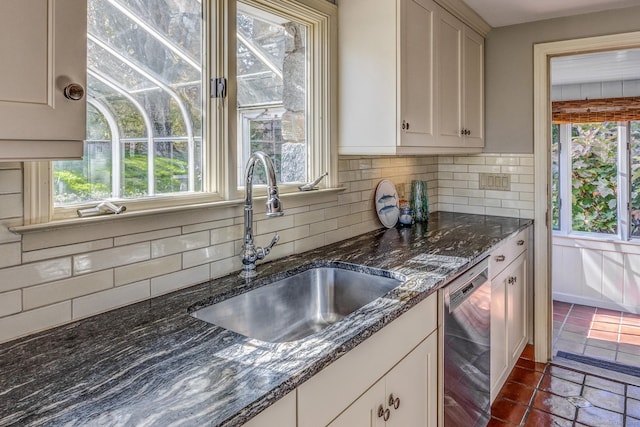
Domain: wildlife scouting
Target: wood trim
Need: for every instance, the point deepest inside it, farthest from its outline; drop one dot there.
(37, 192)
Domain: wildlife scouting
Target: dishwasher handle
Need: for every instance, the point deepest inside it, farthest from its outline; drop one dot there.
(457, 293)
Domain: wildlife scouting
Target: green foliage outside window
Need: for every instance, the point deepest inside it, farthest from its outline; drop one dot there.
(594, 154)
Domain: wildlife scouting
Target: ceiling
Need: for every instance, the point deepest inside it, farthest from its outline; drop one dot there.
(499, 13)
(596, 67)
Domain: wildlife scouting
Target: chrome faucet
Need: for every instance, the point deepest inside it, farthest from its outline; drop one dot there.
(251, 253)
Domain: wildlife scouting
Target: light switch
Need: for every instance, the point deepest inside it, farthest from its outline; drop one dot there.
(495, 181)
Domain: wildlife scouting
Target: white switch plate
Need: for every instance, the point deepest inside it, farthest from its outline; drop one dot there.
(495, 181)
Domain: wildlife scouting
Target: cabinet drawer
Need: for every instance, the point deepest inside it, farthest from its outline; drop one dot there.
(332, 390)
(504, 255)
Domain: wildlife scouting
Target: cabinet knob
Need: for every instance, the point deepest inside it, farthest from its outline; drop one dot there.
(384, 413)
(405, 125)
(394, 402)
(520, 242)
(468, 132)
(74, 92)
(500, 258)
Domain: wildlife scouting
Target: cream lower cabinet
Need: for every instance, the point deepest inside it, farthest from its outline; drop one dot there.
(404, 397)
(400, 359)
(280, 414)
(508, 308)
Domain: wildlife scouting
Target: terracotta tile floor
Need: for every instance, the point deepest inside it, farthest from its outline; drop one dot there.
(595, 332)
(538, 394)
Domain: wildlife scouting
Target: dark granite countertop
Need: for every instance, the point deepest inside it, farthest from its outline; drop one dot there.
(151, 363)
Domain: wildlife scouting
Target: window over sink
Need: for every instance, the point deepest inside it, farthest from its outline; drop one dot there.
(155, 134)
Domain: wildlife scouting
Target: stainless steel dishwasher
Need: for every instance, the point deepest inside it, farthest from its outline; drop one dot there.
(466, 325)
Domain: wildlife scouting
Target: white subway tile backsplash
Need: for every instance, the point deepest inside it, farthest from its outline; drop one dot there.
(109, 258)
(289, 235)
(205, 226)
(225, 266)
(123, 260)
(521, 170)
(479, 210)
(502, 195)
(208, 254)
(144, 237)
(10, 181)
(10, 206)
(453, 168)
(484, 169)
(10, 254)
(271, 225)
(6, 235)
(180, 279)
(324, 226)
(34, 274)
(174, 245)
(147, 269)
(61, 251)
(525, 188)
(517, 204)
(10, 302)
(28, 322)
(308, 217)
(513, 213)
(110, 299)
(347, 198)
(474, 160)
(227, 234)
(62, 290)
(466, 176)
(302, 245)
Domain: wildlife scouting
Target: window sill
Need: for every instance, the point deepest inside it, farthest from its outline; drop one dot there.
(73, 222)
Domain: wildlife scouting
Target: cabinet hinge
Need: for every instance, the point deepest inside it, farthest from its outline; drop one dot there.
(219, 87)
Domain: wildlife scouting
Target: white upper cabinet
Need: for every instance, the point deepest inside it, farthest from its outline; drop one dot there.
(460, 59)
(395, 95)
(417, 90)
(43, 49)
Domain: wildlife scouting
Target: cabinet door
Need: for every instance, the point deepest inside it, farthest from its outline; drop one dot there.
(364, 411)
(44, 46)
(417, 74)
(517, 307)
(499, 363)
(412, 385)
(449, 36)
(280, 414)
(473, 67)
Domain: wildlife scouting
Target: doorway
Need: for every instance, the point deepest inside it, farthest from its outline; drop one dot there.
(543, 53)
(595, 163)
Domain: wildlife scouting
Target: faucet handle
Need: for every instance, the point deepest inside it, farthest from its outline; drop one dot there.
(275, 240)
(263, 252)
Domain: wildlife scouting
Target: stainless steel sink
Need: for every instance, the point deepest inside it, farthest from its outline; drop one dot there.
(299, 305)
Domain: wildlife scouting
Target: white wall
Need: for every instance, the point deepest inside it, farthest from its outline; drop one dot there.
(596, 273)
(54, 277)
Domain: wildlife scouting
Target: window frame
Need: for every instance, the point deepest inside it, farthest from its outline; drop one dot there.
(623, 184)
(220, 184)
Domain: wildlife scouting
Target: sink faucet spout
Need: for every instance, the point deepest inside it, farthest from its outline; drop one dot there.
(251, 253)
